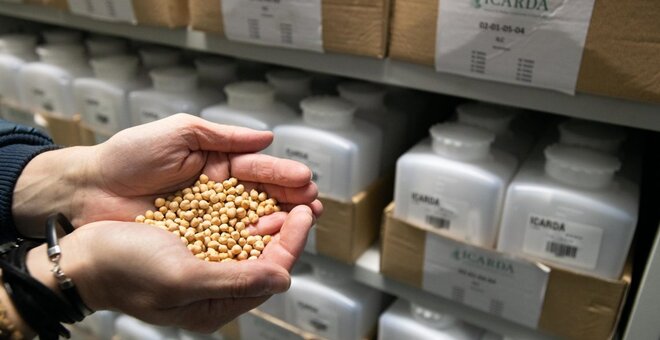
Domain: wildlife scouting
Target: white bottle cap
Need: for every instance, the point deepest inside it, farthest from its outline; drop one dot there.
(62, 36)
(580, 166)
(432, 318)
(218, 70)
(597, 136)
(461, 142)
(156, 56)
(116, 68)
(327, 112)
(491, 117)
(174, 79)
(250, 95)
(105, 46)
(61, 54)
(18, 43)
(366, 96)
(290, 82)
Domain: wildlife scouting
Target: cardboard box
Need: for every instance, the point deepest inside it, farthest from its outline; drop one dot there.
(347, 229)
(349, 26)
(575, 306)
(620, 52)
(167, 13)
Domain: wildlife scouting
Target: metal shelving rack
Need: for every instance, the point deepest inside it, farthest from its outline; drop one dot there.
(642, 323)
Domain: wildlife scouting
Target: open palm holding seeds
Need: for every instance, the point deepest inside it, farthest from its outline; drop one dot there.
(212, 219)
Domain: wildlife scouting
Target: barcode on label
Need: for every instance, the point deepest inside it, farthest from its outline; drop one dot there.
(438, 222)
(561, 250)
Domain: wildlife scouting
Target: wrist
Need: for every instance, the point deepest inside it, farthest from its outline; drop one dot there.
(74, 262)
(53, 181)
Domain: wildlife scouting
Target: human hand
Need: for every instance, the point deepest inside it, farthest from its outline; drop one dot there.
(148, 273)
(119, 179)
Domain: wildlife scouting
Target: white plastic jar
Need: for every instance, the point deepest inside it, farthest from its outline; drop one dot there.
(291, 86)
(103, 100)
(48, 85)
(62, 36)
(216, 72)
(571, 211)
(174, 90)
(404, 320)
(16, 51)
(370, 101)
(327, 302)
(597, 136)
(454, 183)
(156, 57)
(339, 149)
(102, 46)
(497, 119)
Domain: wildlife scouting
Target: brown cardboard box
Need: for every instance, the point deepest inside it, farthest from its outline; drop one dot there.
(168, 13)
(576, 306)
(59, 4)
(346, 230)
(349, 26)
(620, 53)
(65, 132)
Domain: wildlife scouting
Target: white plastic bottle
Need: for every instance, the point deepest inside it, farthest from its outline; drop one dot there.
(330, 304)
(291, 86)
(16, 50)
(276, 305)
(103, 100)
(48, 85)
(340, 150)
(497, 119)
(174, 90)
(571, 211)
(156, 56)
(404, 320)
(215, 71)
(250, 104)
(62, 36)
(370, 101)
(101, 46)
(130, 328)
(592, 135)
(454, 183)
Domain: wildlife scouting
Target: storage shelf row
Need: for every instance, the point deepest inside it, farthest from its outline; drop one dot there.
(390, 72)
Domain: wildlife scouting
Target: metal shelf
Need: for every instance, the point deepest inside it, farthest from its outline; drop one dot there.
(615, 111)
(367, 272)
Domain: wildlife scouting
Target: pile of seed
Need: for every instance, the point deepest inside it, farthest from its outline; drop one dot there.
(211, 218)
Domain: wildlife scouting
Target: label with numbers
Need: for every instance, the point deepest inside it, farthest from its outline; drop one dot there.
(99, 113)
(485, 279)
(283, 23)
(318, 162)
(562, 241)
(112, 10)
(535, 43)
(315, 319)
(438, 212)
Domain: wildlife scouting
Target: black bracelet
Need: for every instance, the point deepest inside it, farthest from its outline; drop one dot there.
(66, 285)
(27, 294)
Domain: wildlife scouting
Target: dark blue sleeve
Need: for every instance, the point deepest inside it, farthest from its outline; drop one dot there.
(18, 145)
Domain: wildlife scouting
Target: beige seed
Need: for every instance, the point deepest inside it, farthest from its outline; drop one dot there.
(233, 181)
(236, 249)
(203, 204)
(259, 245)
(255, 252)
(149, 215)
(247, 247)
(251, 240)
(200, 256)
(254, 218)
(222, 248)
(261, 211)
(196, 249)
(240, 226)
(263, 196)
(245, 233)
(213, 245)
(242, 242)
(162, 210)
(203, 179)
(235, 235)
(184, 240)
(140, 219)
(159, 202)
(252, 258)
(231, 242)
(194, 204)
(242, 256)
(215, 236)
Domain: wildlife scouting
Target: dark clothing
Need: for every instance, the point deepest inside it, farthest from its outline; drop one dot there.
(18, 145)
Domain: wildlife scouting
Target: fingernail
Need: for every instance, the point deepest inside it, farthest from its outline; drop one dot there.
(279, 283)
